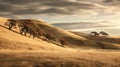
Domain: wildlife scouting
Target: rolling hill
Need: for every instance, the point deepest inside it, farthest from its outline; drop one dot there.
(73, 40)
(85, 51)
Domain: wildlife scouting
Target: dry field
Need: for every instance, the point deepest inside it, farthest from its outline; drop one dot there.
(21, 51)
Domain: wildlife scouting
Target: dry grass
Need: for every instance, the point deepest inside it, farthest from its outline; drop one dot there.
(109, 42)
(47, 58)
(21, 51)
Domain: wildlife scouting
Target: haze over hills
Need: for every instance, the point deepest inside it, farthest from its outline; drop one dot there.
(87, 27)
(80, 25)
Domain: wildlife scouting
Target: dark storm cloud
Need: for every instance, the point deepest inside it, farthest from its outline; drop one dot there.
(107, 1)
(41, 11)
(112, 2)
(5, 7)
(30, 7)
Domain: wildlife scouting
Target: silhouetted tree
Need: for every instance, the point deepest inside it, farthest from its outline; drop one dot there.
(103, 33)
(94, 33)
(11, 23)
(63, 41)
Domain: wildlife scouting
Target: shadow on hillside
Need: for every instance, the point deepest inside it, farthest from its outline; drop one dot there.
(103, 39)
(99, 38)
(91, 44)
(74, 40)
(10, 30)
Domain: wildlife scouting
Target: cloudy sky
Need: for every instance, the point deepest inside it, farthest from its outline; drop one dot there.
(64, 11)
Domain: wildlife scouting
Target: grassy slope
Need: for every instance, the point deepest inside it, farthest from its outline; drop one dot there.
(28, 52)
(80, 40)
(48, 58)
(12, 40)
(111, 39)
(107, 42)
